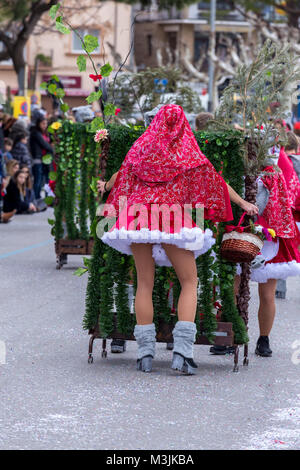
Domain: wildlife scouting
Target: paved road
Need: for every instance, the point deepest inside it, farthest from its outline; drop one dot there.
(51, 398)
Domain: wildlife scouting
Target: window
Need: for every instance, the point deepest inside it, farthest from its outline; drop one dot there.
(149, 44)
(76, 43)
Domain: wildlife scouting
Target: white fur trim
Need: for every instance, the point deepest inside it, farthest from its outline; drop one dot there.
(275, 271)
(192, 239)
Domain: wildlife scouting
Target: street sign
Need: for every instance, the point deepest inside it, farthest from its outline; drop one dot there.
(160, 85)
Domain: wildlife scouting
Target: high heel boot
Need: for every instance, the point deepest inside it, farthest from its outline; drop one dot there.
(184, 335)
(145, 336)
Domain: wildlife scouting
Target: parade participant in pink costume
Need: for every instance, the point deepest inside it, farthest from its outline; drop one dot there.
(163, 171)
(282, 257)
(289, 162)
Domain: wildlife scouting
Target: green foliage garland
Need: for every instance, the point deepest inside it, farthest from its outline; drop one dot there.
(93, 292)
(222, 149)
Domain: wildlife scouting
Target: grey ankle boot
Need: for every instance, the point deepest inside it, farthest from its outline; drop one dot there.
(184, 335)
(145, 336)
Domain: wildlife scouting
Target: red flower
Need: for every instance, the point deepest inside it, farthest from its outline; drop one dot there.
(261, 127)
(117, 111)
(95, 77)
(207, 142)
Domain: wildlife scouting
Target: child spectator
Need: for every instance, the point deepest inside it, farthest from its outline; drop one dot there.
(8, 144)
(20, 150)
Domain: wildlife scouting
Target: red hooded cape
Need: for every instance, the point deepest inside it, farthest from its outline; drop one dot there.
(165, 166)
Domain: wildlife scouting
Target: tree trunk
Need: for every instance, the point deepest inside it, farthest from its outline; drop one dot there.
(250, 196)
(19, 66)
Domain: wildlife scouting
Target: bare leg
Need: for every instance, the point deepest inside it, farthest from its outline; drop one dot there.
(145, 268)
(184, 264)
(266, 312)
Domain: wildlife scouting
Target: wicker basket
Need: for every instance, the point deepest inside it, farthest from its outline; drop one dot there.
(240, 247)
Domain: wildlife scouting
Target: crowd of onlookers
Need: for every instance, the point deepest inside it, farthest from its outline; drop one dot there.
(22, 171)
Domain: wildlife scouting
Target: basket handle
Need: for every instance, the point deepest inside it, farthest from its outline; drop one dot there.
(242, 219)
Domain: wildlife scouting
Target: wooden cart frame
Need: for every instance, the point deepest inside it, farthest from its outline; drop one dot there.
(224, 337)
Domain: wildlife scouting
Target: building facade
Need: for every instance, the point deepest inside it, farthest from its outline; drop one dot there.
(54, 53)
(176, 33)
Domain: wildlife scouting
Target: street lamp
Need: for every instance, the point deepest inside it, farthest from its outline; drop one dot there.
(212, 46)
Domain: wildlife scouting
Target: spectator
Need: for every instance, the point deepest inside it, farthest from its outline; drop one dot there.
(8, 144)
(40, 146)
(202, 120)
(12, 166)
(1, 130)
(30, 196)
(17, 128)
(14, 199)
(20, 150)
(8, 122)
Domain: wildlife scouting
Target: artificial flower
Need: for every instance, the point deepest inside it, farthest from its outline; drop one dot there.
(117, 111)
(272, 232)
(267, 234)
(95, 77)
(56, 125)
(101, 135)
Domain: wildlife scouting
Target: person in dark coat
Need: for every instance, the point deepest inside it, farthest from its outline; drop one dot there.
(20, 151)
(15, 197)
(40, 146)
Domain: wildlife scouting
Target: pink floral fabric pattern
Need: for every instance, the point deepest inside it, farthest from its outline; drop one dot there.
(291, 179)
(278, 213)
(166, 166)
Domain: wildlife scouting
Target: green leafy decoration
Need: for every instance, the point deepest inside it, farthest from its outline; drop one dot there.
(47, 159)
(52, 88)
(53, 11)
(81, 63)
(106, 70)
(80, 271)
(91, 43)
(52, 175)
(109, 109)
(49, 200)
(64, 107)
(60, 93)
(94, 96)
(60, 26)
(96, 124)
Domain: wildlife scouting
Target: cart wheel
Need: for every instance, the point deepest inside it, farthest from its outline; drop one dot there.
(90, 359)
(246, 361)
(236, 368)
(104, 354)
(58, 262)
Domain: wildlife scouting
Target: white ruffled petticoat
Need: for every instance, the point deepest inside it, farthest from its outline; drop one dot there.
(192, 239)
(272, 270)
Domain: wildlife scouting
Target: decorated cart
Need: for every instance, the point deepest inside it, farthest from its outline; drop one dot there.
(111, 275)
(221, 319)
